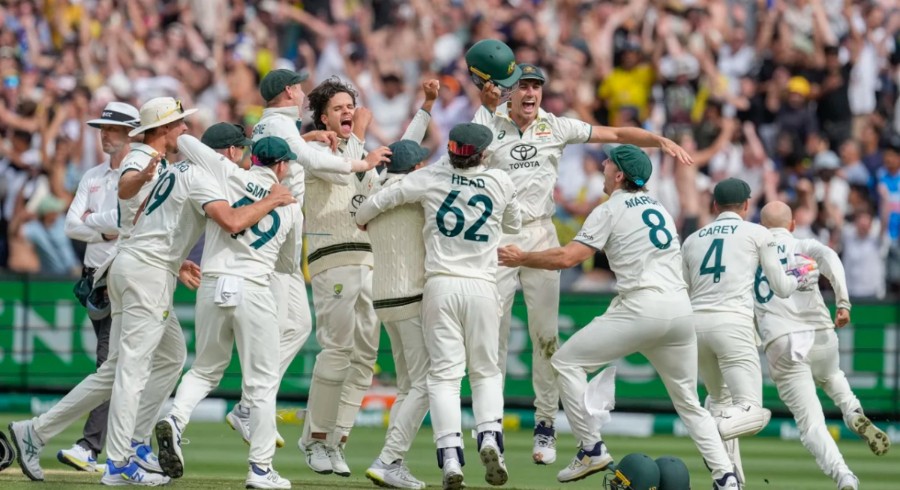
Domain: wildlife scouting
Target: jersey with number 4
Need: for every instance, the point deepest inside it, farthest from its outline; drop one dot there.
(804, 310)
(466, 211)
(172, 218)
(640, 240)
(720, 262)
(256, 252)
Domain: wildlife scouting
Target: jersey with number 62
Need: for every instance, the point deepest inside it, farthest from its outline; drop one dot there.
(640, 240)
(172, 218)
(720, 262)
(255, 252)
(466, 211)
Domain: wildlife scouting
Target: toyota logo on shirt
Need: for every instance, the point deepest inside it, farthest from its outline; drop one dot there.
(523, 152)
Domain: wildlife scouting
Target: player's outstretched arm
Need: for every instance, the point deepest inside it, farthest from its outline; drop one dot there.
(640, 137)
(552, 259)
(408, 190)
(131, 180)
(783, 284)
(199, 154)
(234, 220)
(829, 264)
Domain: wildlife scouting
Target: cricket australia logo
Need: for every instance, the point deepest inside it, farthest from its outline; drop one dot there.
(337, 290)
(523, 154)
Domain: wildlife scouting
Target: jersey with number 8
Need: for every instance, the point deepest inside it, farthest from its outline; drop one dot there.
(720, 262)
(465, 212)
(646, 252)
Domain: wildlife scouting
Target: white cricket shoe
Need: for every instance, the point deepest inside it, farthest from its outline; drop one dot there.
(145, 458)
(168, 440)
(729, 481)
(848, 481)
(28, 448)
(79, 458)
(495, 472)
(877, 440)
(394, 475)
(453, 475)
(131, 474)
(586, 463)
(338, 461)
(268, 478)
(239, 419)
(544, 451)
(317, 457)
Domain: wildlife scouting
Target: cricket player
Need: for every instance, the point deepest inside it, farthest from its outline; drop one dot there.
(284, 102)
(340, 265)
(93, 218)
(528, 143)
(466, 207)
(398, 280)
(161, 121)
(802, 350)
(720, 262)
(650, 315)
(236, 306)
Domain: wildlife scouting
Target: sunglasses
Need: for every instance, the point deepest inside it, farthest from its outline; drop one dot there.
(461, 149)
(178, 108)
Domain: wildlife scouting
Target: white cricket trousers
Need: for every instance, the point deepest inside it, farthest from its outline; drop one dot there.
(541, 291)
(461, 317)
(796, 380)
(96, 389)
(294, 318)
(253, 325)
(141, 299)
(347, 331)
(728, 358)
(409, 409)
(662, 330)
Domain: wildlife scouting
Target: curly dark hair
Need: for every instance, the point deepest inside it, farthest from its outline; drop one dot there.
(318, 98)
(458, 161)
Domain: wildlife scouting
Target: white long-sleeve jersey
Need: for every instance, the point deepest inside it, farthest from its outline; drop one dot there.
(466, 211)
(399, 275)
(720, 262)
(96, 193)
(282, 122)
(136, 160)
(332, 238)
(804, 310)
(531, 157)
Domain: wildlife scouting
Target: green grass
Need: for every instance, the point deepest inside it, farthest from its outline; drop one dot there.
(216, 459)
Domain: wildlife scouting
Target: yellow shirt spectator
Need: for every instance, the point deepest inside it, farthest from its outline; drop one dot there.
(624, 88)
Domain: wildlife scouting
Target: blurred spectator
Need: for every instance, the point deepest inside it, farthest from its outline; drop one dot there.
(861, 255)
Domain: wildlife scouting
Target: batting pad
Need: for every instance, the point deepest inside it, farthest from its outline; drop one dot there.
(742, 421)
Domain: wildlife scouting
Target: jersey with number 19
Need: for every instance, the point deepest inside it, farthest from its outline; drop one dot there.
(465, 212)
(172, 218)
(720, 262)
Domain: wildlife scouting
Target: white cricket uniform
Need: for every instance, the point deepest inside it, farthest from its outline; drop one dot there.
(650, 315)
(398, 282)
(531, 157)
(294, 318)
(802, 349)
(720, 263)
(96, 389)
(340, 265)
(466, 210)
(235, 304)
(142, 281)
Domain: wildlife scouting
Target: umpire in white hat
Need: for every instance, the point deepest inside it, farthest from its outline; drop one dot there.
(93, 218)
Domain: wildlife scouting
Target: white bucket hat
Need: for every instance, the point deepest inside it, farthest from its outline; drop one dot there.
(117, 114)
(159, 112)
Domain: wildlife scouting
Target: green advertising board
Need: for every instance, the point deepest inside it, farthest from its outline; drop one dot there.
(47, 345)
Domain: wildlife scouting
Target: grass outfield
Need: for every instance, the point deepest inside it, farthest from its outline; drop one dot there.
(216, 459)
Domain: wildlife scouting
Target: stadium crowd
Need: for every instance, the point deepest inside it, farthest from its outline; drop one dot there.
(796, 97)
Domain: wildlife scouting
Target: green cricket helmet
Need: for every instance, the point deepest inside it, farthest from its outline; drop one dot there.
(636, 471)
(491, 60)
(673, 474)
